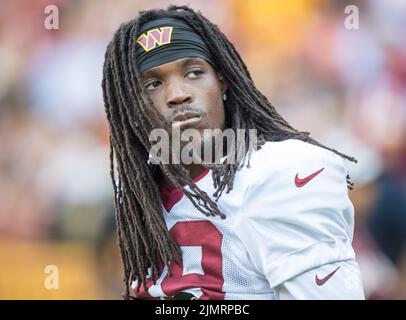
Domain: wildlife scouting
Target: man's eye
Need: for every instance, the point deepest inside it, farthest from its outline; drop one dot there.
(152, 84)
(194, 74)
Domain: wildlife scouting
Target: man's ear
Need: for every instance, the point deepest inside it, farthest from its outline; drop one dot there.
(223, 83)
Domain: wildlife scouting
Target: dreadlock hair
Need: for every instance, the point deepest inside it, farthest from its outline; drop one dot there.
(144, 240)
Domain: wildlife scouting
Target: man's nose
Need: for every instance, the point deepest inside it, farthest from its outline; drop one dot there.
(177, 94)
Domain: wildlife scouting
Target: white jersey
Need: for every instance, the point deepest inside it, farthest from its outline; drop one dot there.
(288, 215)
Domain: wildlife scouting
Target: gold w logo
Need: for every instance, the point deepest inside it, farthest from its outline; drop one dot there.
(155, 37)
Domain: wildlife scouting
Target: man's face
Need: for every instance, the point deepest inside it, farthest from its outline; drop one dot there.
(188, 93)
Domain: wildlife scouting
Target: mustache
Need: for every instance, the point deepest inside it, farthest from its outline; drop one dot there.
(185, 110)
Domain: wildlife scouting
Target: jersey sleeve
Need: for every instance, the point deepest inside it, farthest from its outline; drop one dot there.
(333, 281)
(296, 213)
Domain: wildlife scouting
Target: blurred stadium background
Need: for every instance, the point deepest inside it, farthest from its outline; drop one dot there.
(347, 87)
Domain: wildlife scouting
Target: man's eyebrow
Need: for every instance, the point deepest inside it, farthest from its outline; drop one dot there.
(187, 61)
(150, 72)
(183, 63)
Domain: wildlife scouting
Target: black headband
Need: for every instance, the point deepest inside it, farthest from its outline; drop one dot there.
(167, 39)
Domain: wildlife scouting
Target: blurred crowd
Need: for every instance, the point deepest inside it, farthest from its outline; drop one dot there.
(346, 86)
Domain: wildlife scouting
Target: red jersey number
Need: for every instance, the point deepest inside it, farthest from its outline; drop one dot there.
(194, 233)
(204, 234)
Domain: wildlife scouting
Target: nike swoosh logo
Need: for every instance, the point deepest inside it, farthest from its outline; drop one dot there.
(301, 182)
(322, 281)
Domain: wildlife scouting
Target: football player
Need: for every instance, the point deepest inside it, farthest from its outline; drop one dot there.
(283, 228)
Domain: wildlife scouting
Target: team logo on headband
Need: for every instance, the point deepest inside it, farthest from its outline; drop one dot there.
(155, 37)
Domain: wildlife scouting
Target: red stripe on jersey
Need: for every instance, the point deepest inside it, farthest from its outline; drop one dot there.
(171, 196)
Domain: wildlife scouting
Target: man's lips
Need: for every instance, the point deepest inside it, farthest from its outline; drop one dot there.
(180, 124)
(185, 115)
(184, 119)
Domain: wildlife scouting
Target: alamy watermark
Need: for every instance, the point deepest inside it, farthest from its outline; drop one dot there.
(51, 21)
(51, 281)
(192, 147)
(351, 21)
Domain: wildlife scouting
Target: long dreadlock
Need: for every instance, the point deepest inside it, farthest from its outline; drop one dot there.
(143, 237)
